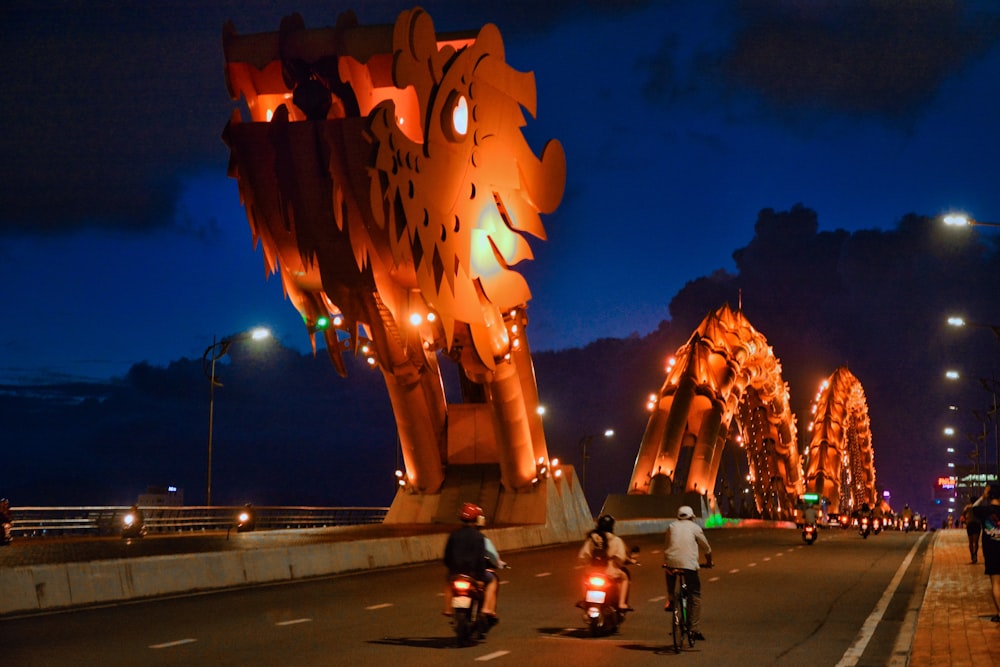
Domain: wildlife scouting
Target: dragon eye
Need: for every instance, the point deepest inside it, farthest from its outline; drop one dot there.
(455, 119)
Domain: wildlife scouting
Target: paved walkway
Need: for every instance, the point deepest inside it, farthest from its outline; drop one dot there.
(953, 626)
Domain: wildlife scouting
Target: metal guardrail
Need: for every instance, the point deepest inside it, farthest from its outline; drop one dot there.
(107, 520)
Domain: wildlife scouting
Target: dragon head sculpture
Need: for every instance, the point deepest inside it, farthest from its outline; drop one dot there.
(387, 178)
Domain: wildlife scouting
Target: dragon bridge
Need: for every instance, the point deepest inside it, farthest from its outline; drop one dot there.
(840, 465)
(384, 172)
(724, 386)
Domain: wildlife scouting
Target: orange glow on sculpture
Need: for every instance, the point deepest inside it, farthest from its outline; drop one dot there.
(840, 459)
(385, 175)
(725, 384)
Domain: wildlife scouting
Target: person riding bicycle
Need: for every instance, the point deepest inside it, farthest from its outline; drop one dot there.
(466, 552)
(603, 547)
(684, 541)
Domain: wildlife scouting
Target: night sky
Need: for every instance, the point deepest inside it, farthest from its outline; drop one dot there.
(796, 153)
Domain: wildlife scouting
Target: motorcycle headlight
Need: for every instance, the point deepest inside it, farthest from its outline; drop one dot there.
(129, 519)
(244, 517)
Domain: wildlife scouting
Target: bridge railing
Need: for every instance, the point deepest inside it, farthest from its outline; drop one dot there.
(107, 520)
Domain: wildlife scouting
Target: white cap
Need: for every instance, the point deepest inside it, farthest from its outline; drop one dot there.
(685, 512)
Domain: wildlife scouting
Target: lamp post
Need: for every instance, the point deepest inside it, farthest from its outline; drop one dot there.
(991, 386)
(585, 443)
(213, 353)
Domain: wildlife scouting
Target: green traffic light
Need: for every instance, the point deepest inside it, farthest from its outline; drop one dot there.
(322, 322)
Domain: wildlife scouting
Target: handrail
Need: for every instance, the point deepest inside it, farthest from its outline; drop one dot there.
(107, 520)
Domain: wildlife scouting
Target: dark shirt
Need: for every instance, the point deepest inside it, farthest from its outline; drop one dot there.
(989, 516)
(465, 552)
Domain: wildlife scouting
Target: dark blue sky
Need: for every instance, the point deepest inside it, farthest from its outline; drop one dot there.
(122, 240)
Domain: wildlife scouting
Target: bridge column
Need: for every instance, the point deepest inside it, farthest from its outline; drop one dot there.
(420, 409)
(700, 475)
(514, 446)
(520, 356)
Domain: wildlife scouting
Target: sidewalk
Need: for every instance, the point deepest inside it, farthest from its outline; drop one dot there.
(953, 626)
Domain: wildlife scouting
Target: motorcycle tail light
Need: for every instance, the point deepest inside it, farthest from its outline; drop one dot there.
(462, 586)
(597, 581)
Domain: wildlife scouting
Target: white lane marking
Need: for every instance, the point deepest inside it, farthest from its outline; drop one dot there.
(855, 650)
(658, 598)
(767, 558)
(734, 570)
(505, 581)
(714, 579)
(544, 574)
(491, 656)
(294, 621)
(752, 565)
(779, 554)
(378, 606)
(179, 642)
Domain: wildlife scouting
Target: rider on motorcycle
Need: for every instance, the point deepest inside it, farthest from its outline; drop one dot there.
(466, 552)
(603, 547)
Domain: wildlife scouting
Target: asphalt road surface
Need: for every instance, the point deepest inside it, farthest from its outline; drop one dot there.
(770, 600)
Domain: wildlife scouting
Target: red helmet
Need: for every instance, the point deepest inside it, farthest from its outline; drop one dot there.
(470, 512)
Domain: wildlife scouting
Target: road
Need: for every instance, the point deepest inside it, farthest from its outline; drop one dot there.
(770, 600)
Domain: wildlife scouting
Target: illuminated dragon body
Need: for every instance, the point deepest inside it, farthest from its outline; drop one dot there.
(385, 175)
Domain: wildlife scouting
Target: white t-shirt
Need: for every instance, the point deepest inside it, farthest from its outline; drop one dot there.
(685, 540)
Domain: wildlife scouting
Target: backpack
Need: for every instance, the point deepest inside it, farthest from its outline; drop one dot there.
(599, 553)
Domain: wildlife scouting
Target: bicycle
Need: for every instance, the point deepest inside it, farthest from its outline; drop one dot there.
(680, 602)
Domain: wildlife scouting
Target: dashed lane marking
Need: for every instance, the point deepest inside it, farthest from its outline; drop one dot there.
(378, 606)
(491, 656)
(179, 642)
(544, 574)
(294, 621)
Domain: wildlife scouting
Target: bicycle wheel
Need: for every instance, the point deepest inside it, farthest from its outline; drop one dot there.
(685, 620)
(677, 629)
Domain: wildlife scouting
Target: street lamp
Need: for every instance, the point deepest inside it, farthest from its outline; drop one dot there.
(585, 443)
(991, 386)
(962, 220)
(958, 321)
(213, 353)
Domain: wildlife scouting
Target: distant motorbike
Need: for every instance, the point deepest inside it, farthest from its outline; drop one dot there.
(466, 606)
(246, 520)
(845, 521)
(133, 525)
(6, 533)
(907, 525)
(600, 605)
(865, 527)
(809, 533)
(876, 526)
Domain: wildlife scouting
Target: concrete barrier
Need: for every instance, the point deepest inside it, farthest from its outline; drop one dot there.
(63, 586)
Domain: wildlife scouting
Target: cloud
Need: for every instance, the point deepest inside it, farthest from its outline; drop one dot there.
(800, 61)
(885, 59)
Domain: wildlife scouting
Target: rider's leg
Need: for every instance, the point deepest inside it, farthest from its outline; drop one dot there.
(694, 593)
(490, 594)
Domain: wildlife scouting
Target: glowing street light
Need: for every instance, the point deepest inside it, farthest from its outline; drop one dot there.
(213, 353)
(963, 220)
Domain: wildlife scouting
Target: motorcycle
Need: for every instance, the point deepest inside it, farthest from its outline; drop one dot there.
(6, 533)
(600, 605)
(845, 521)
(907, 525)
(876, 526)
(809, 533)
(466, 605)
(246, 520)
(865, 527)
(133, 525)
